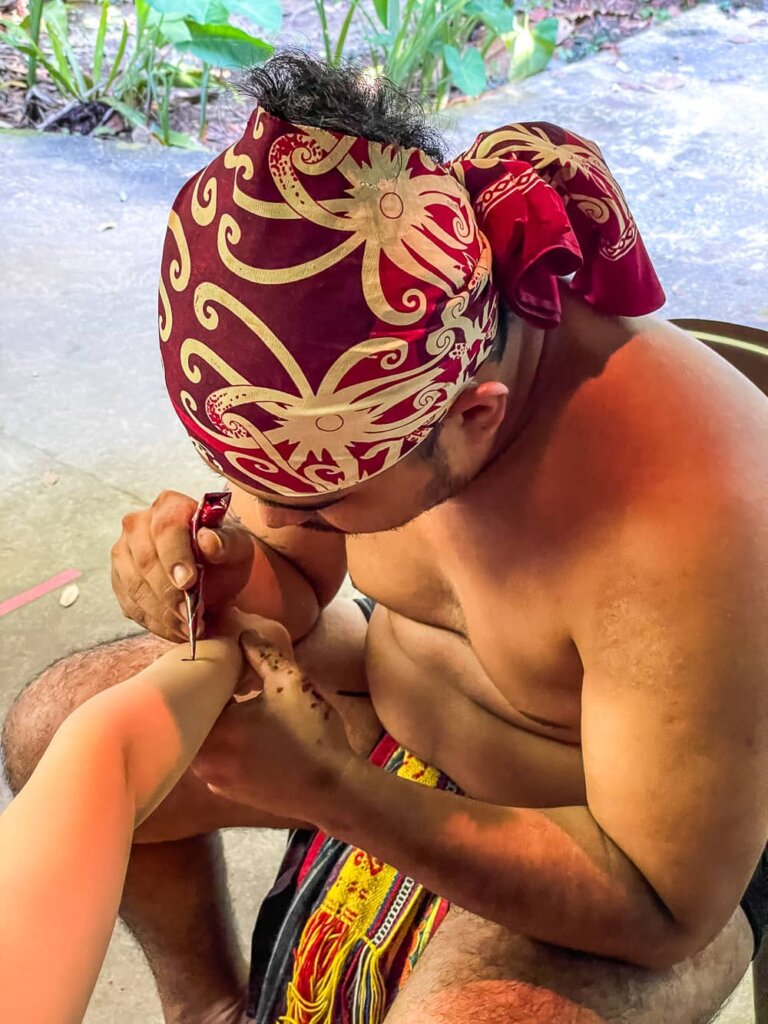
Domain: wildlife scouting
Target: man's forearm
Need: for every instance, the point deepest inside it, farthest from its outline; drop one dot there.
(552, 874)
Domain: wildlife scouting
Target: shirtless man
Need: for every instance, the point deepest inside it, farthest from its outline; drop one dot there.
(569, 567)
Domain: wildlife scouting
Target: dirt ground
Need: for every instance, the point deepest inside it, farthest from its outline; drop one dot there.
(585, 27)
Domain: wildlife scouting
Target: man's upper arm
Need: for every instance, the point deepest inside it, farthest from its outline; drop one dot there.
(320, 557)
(674, 643)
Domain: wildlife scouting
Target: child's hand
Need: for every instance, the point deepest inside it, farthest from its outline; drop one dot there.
(233, 623)
(283, 751)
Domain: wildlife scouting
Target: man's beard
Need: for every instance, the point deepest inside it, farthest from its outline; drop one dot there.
(442, 487)
(320, 527)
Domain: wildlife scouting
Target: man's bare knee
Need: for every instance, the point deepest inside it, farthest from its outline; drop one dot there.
(46, 701)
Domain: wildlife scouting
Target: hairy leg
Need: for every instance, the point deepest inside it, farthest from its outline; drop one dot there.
(476, 971)
(175, 898)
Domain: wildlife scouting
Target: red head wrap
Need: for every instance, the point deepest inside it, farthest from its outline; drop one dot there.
(323, 298)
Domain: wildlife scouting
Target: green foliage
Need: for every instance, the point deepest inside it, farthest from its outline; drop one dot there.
(431, 46)
(532, 47)
(35, 14)
(62, 63)
(223, 45)
(428, 47)
(138, 80)
(267, 14)
(467, 69)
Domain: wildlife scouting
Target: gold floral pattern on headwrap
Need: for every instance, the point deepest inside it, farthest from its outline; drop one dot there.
(323, 298)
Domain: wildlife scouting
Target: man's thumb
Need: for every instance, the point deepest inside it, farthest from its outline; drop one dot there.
(226, 546)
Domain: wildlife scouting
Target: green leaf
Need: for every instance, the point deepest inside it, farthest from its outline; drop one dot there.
(546, 32)
(20, 40)
(182, 141)
(15, 36)
(98, 49)
(135, 118)
(201, 11)
(533, 48)
(118, 57)
(224, 46)
(380, 6)
(174, 30)
(188, 77)
(218, 13)
(267, 14)
(467, 69)
(496, 14)
(131, 116)
(55, 15)
(57, 27)
(64, 70)
(342, 37)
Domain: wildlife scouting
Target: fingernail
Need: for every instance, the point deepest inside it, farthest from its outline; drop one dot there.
(212, 541)
(180, 574)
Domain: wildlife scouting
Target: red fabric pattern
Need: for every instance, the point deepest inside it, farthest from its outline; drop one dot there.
(324, 298)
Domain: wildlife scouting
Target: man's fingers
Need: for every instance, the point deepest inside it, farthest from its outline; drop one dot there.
(225, 546)
(170, 534)
(175, 554)
(167, 626)
(148, 569)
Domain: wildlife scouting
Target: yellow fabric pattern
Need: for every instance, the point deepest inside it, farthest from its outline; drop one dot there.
(359, 927)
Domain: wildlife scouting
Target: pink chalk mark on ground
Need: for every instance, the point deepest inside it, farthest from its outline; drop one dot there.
(40, 590)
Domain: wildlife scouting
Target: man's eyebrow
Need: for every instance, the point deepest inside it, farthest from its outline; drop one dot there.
(299, 508)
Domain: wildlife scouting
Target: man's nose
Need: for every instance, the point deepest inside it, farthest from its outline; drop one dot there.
(277, 517)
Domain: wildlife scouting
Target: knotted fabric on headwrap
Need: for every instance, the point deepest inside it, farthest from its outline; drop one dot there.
(324, 298)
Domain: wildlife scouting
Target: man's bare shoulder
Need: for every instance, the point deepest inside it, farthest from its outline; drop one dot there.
(648, 430)
(658, 419)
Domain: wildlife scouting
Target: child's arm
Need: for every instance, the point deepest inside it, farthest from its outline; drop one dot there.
(66, 838)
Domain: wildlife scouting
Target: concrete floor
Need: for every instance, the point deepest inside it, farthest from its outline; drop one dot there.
(87, 433)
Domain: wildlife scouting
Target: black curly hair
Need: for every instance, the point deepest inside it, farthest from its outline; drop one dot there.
(299, 87)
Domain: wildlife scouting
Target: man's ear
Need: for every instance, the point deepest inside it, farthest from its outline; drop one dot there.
(480, 408)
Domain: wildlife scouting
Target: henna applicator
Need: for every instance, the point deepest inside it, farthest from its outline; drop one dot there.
(209, 513)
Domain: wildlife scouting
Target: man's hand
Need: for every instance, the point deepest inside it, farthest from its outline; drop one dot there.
(153, 563)
(281, 751)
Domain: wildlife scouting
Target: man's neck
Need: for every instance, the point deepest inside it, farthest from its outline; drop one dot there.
(526, 369)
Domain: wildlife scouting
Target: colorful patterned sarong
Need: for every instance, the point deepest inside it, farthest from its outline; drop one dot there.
(340, 932)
